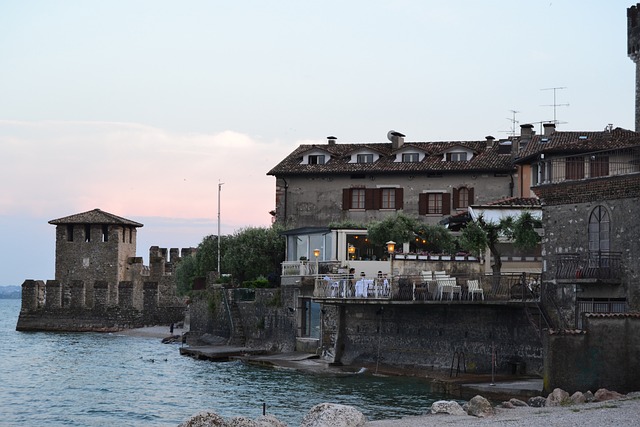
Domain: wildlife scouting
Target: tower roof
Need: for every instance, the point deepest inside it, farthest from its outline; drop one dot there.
(95, 216)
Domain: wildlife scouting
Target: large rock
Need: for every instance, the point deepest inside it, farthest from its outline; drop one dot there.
(558, 397)
(578, 397)
(450, 407)
(604, 394)
(269, 421)
(241, 422)
(480, 407)
(205, 419)
(333, 415)
(517, 402)
(537, 401)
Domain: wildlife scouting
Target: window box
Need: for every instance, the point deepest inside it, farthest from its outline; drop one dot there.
(434, 257)
(412, 256)
(460, 257)
(399, 256)
(423, 257)
(445, 257)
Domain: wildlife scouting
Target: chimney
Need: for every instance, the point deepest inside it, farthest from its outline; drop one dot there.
(490, 140)
(396, 138)
(331, 140)
(526, 131)
(549, 128)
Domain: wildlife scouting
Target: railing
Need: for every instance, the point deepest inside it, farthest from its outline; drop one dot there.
(505, 287)
(306, 268)
(601, 164)
(589, 265)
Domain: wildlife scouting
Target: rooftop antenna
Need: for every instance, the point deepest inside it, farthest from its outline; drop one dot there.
(513, 121)
(555, 105)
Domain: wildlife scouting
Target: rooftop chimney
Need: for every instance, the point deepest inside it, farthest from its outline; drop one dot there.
(526, 131)
(331, 140)
(490, 140)
(549, 128)
(396, 138)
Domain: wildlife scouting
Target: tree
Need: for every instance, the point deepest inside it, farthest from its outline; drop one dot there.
(480, 234)
(437, 237)
(399, 228)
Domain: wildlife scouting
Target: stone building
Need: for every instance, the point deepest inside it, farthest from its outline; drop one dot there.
(100, 284)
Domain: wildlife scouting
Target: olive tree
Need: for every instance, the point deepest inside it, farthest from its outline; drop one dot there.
(399, 228)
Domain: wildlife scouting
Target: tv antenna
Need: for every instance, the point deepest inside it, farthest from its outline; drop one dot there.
(555, 105)
(513, 121)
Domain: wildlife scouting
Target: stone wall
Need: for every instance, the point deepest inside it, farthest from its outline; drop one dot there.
(605, 354)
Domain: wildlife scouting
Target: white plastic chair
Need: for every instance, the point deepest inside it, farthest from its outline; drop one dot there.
(473, 287)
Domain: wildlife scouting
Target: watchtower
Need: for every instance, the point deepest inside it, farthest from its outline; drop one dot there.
(94, 246)
(633, 50)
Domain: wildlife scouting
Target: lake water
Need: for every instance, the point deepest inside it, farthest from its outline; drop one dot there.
(90, 379)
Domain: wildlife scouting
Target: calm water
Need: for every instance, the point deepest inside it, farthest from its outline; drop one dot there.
(70, 379)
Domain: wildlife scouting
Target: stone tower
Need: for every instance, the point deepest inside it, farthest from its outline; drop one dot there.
(94, 246)
(633, 50)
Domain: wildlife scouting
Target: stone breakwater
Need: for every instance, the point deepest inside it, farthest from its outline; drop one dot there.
(559, 408)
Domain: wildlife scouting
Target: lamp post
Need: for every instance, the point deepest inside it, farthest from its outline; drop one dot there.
(316, 253)
(219, 188)
(391, 248)
(351, 250)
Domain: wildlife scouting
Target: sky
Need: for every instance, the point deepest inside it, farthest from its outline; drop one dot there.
(143, 107)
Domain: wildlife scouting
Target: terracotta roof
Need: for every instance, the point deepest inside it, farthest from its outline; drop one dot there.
(516, 201)
(95, 216)
(576, 142)
(485, 159)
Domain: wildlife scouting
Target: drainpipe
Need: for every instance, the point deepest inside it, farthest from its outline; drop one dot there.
(511, 185)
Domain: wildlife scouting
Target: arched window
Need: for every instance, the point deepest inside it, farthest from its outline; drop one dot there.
(599, 230)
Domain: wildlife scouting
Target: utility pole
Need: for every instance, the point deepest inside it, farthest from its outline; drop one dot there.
(219, 189)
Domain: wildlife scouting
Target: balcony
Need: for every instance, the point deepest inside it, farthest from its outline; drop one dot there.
(586, 267)
(508, 287)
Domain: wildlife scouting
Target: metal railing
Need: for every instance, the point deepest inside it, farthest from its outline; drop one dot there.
(505, 287)
(589, 265)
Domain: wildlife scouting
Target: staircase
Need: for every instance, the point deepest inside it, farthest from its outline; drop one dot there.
(237, 337)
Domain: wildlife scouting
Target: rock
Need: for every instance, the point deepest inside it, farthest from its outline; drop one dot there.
(480, 407)
(450, 407)
(634, 395)
(269, 421)
(537, 401)
(517, 402)
(577, 398)
(205, 419)
(333, 415)
(558, 397)
(604, 394)
(588, 396)
(241, 422)
(507, 405)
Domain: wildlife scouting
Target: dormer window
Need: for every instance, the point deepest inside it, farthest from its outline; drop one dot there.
(457, 157)
(316, 159)
(364, 158)
(410, 157)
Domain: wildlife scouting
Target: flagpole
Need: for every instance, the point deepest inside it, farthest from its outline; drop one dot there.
(219, 188)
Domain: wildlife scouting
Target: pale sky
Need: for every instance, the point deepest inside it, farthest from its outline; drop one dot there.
(141, 107)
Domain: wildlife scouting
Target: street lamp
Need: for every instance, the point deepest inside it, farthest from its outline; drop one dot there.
(351, 250)
(219, 188)
(391, 248)
(316, 253)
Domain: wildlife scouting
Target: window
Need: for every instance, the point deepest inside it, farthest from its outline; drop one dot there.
(599, 166)
(105, 233)
(388, 198)
(410, 157)
(599, 230)
(599, 305)
(462, 197)
(434, 204)
(364, 158)
(357, 198)
(316, 159)
(457, 157)
(574, 168)
(69, 232)
(87, 233)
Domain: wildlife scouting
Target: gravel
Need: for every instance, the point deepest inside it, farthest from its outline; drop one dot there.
(621, 412)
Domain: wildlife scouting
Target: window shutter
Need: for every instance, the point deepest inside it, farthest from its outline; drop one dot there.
(446, 203)
(448, 157)
(422, 204)
(456, 198)
(399, 198)
(346, 199)
(370, 199)
(470, 196)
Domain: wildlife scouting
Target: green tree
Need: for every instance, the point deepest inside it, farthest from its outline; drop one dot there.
(438, 238)
(399, 228)
(480, 234)
(253, 252)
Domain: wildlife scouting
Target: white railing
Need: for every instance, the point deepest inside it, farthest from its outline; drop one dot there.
(298, 268)
(343, 286)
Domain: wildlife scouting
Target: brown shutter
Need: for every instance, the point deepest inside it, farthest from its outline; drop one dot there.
(346, 198)
(399, 198)
(422, 204)
(456, 198)
(370, 198)
(446, 203)
(470, 196)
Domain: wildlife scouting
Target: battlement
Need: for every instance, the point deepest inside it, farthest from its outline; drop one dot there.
(633, 32)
